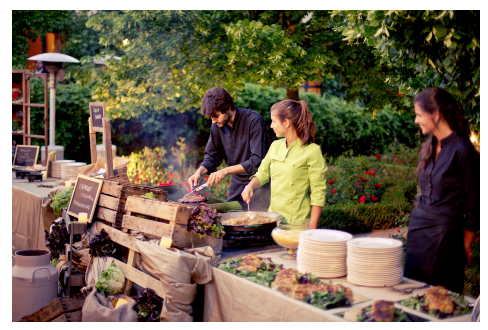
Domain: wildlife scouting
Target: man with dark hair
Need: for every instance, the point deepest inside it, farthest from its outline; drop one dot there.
(237, 136)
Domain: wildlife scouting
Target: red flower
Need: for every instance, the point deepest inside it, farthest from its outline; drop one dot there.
(181, 173)
(206, 177)
(375, 199)
(396, 160)
(403, 160)
(398, 230)
(378, 156)
(374, 169)
(183, 183)
(415, 162)
(362, 199)
(159, 156)
(334, 191)
(332, 168)
(188, 189)
(137, 180)
(146, 180)
(331, 181)
(226, 193)
(148, 156)
(377, 185)
(477, 239)
(206, 193)
(418, 150)
(171, 175)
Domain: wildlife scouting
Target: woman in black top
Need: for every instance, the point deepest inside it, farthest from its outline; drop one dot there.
(449, 180)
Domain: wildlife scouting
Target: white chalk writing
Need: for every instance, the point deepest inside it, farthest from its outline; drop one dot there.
(83, 206)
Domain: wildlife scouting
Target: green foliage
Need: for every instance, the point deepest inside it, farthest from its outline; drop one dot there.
(472, 272)
(61, 200)
(358, 218)
(423, 48)
(31, 24)
(341, 126)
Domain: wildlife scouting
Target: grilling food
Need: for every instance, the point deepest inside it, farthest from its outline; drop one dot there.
(439, 302)
(250, 263)
(193, 197)
(383, 311)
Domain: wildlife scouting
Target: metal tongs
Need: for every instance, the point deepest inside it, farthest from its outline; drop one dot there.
(407, 290)
(200, 187)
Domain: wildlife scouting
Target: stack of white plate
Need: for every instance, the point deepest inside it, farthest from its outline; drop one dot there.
(70, 170)
(56, 167)
(373, 261)
(322, 252)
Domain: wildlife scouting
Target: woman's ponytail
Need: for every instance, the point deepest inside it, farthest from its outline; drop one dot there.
(299, 115)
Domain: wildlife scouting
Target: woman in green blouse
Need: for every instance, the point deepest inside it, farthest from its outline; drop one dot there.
(293, 164)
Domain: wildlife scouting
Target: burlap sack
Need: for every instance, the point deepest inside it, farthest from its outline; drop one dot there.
(98, 308)
(179, 272)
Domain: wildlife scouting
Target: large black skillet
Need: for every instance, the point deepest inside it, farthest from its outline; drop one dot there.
(270, 225)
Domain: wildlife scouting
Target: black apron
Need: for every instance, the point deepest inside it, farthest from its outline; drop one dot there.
(435, 250)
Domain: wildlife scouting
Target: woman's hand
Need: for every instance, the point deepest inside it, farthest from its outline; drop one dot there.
(247, 193)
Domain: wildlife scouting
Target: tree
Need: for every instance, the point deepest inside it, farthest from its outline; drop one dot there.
(170, 58)
(423, 49)
(31, 24)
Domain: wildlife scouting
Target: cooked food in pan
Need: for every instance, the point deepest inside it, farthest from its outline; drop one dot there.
(258, 219)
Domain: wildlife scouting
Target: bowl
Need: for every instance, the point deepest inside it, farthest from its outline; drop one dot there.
(287, 235)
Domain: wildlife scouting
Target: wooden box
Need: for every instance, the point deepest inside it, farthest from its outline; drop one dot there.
(113, 196)
(162, 219)
(55, 308)
(69, 317)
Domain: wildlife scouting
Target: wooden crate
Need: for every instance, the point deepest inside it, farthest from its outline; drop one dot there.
(113, 196)
(169, 219)
(131, 273)
(55, 308)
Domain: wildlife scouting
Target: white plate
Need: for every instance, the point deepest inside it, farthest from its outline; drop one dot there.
(325, 235)
(374, 243)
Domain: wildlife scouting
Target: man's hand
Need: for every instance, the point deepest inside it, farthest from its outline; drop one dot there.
(194, 179)
(216, 177)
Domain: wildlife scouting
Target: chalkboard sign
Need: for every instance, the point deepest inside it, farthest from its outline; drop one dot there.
(85, 196)
(26, 155)
(97, 113)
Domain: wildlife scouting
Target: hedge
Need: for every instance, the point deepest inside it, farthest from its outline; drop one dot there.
(394, 205)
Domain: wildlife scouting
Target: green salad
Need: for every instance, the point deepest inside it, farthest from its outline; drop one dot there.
(264, 276)
(461, 306)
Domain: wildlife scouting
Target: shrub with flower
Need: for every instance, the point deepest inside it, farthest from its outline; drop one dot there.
(353, 180)
(399, 154)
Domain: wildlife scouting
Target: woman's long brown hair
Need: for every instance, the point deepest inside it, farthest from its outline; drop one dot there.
(435, 99)
(300, 117)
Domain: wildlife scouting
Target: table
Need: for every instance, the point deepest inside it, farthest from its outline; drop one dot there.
(230, 298)
(27, 221)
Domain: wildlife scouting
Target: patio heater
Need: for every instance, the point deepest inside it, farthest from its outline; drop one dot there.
(53, 62)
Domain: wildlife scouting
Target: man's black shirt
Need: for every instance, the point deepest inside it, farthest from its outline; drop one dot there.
(244, 143)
